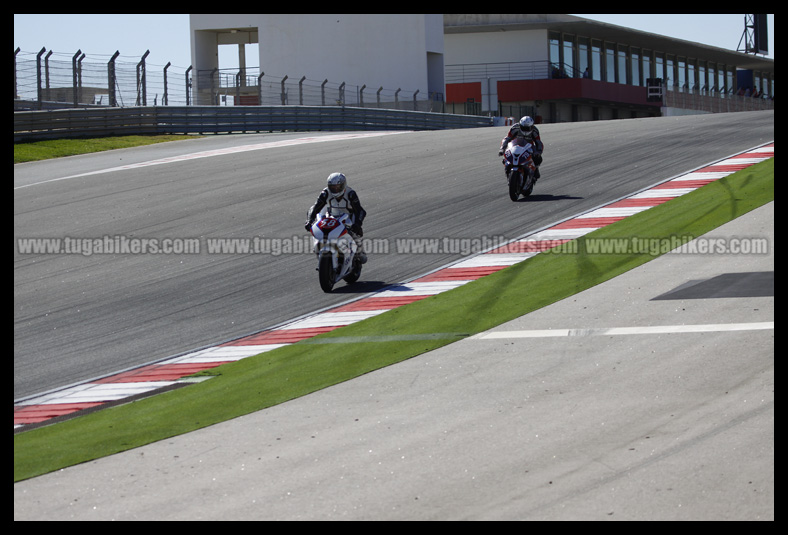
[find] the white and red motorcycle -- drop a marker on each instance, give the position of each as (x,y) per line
(336,251)
(520,168)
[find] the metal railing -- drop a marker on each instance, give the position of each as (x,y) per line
(108,121)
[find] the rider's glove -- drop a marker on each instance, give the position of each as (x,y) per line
(308,226)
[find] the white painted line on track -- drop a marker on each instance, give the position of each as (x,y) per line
(221,152)
(617,331)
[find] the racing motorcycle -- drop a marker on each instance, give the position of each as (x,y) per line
(520,168)
(336,251)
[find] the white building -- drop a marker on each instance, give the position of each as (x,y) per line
(396,51)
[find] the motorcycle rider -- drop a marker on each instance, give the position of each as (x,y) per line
(341,199)
(525,128)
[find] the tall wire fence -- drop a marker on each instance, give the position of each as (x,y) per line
(47,80)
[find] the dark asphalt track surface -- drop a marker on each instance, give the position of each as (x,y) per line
(81,317)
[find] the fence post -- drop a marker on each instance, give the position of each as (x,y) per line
(260,88)
(361,95)
(301,90)
(38,75)
(111,81)
(378,95)
(341,100)
(415,107)
(74,76)
(165,100)
(46,70)
(142,81)
(323,92)
(284,98)
(396,98)
(79,77)
(188,85)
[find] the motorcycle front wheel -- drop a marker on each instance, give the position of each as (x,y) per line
(326,273)
(515,185)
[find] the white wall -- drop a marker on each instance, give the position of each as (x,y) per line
(495,47)
(376,50)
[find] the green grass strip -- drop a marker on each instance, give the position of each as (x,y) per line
(58,148)
(292,371)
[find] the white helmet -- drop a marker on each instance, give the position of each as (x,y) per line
(336,184)
(526,124)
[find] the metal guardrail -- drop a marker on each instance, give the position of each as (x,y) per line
(98,122)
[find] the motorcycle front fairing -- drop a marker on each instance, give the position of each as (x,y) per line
(517,154)
(332,238)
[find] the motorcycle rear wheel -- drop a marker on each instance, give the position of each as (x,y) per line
(529,187)
(355,273)
(326,273)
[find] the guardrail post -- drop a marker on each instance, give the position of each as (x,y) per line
(38,76)
(301,90)
(284,98)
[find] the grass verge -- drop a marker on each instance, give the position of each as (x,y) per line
(292,371)
(57,148)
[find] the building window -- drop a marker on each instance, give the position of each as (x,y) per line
(670,75)
(691,81)
(582,56)
(622,65)
(569,64)
(596,60)
(646,65)
(682,75)
(610,64)
(635,66)
(555,49)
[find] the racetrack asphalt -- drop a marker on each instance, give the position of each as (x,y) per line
(513,424)
(79,317)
